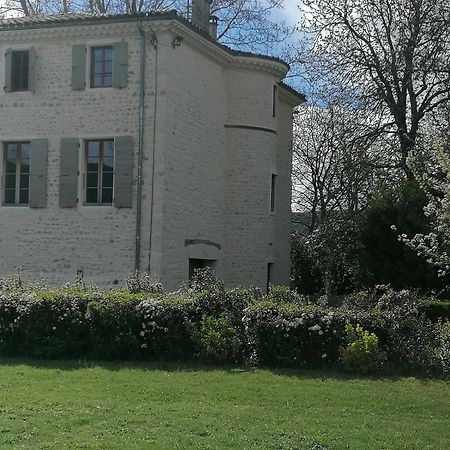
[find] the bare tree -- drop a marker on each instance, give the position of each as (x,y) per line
(333,168)
(393,55)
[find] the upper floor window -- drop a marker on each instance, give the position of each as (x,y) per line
(16,173)
(274,100)
(99,172)
(101,66)
(19,70)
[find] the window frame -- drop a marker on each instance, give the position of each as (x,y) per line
(100,173)
(92,73)
(19,87)
(18,174)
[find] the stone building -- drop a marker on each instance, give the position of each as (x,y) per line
(139,142)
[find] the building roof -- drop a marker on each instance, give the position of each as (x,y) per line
(74,19)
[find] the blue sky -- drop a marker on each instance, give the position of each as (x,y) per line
(290,13)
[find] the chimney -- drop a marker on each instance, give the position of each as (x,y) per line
(213,20)
(200,14)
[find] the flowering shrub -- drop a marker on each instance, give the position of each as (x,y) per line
(207,322)
(142,282)
(361,354)
(291,334)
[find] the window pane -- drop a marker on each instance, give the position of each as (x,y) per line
(98,54)
(92,180)
(10,167)
(108,165)
(10,197)
(107,195)
(107,179)
(91,195)
(10,181)
(108,67)
(23,196)
(11,153)
(93,149)
(25,166)
(98,68)
(24,181)
(108,149)
(97,82)
(25,151)
(107,81)
(108,53)
(19,70)
(92,167)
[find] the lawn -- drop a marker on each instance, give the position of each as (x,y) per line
(164,406)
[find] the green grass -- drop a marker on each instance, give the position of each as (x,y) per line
(162,406)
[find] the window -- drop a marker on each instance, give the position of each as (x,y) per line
(20,63)
(272,192)
(101,66)
(269,276)
(198,264)
(99,172)
(274,100)
(16,157)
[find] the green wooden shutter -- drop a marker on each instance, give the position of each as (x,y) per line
(68,173)
(120,64)
(38,173)
(31,69)
(78,67)
(8,70)
(123,171)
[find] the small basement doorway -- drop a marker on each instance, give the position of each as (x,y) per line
(196,264)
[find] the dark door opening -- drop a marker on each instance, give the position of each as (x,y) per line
(197,264)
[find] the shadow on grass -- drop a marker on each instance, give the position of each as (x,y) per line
(184,366)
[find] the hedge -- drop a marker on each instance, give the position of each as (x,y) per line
(437,309)
(212,324)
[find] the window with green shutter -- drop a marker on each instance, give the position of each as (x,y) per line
(99,172)
(19,70)
(16,173)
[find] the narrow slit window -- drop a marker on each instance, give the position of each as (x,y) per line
(274,100)
(273,185)
(269,276)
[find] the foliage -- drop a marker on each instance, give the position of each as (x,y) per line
(444,347)
(142,282)
(306,276)
(291,334)
(432,170)
(384,258)
(361,355)
(218,340)
(437,309)
(326,261)
(214,324)
(390,56)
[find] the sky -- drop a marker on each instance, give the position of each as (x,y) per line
(290,13)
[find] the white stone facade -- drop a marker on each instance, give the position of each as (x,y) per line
(210,148)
